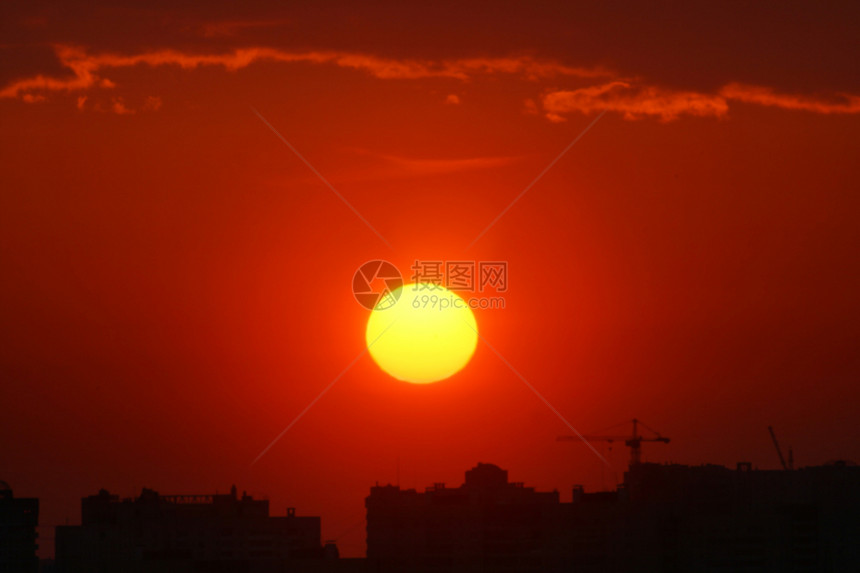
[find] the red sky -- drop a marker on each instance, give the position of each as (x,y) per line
(176,282)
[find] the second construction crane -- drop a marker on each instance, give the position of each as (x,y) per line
(634,441)
(785,465)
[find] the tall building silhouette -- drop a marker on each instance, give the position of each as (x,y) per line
(712,518)
(185,533)
(19,518)
(486,524)
(663,518)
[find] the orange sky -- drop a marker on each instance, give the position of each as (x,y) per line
(176,282)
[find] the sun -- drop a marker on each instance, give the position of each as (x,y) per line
(428,335)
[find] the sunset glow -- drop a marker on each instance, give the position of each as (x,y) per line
(654,211)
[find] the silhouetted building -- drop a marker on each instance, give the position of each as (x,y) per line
(186,533)
(486,524)
(19,518)
(712,518)
(663,518)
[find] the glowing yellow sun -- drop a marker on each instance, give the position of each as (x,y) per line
(428,335)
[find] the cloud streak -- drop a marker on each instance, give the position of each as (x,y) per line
(641,101)
(837,104)
(632,102)
(87,70)
(378,166)
(631,99)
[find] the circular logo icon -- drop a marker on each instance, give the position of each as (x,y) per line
(375,285)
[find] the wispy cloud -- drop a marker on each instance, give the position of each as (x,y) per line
(118,107)
(87,70)
(639,101)
(632,99)
(379,166)
(632,102)
(836,103)
(33,98)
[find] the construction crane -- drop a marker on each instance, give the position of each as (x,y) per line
(634,441)
(785,465)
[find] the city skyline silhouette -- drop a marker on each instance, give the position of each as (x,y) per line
(663,517)
(649,212)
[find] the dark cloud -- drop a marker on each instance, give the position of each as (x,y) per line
(695,45)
